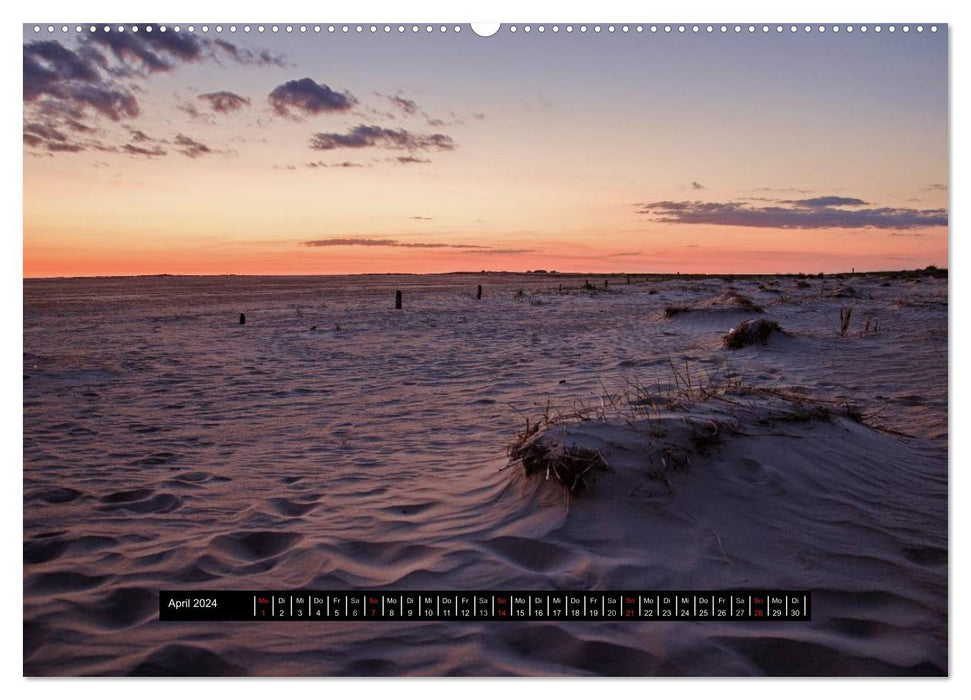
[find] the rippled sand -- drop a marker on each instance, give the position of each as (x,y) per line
(166,446)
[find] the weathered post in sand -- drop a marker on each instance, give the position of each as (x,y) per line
(628,279)
(605,284)
(242,319)
(397,299)
(478,294)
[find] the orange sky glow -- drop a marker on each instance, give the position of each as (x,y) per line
(318,154)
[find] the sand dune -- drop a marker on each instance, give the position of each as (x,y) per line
(166,446)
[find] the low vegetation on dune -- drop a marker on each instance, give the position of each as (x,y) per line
(752,332)
(570,465)
(659,432)
(729,301)
(845,292)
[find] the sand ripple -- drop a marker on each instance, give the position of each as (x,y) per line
(165,446)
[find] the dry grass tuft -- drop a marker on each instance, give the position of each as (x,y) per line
(801,409)
(845,313)
(572,466)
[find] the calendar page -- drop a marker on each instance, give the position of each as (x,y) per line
(548,349)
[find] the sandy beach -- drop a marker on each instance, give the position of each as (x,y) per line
(333,442)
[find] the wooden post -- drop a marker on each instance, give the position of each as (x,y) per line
(397,299)
(605,284)
(242,319)
(478,294)
(628,279)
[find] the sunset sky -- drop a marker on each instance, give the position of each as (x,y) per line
(319,153)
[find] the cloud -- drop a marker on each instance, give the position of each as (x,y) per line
(697,186)
(782,189)
(43,132)
(62,82)
(190,147)
(75,125)
(505,251)
(344,164)
(97,76)
(47,63)
(87,76)
(364,136)
(420,218)
(937,186)
(800,217)
(386,243)
(831,201)
(54,140)
(452,120)
(139,135)
(56,146)
(140,144)
(404,106)
(149,51)
(410,160)
(224,101)
(301,98)
(195,113)
(149,151)
(248,57)
(53,137)
(467,248)
(408,107)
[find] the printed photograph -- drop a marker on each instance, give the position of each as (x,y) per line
(590,317)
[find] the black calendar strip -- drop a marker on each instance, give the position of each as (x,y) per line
(485,606)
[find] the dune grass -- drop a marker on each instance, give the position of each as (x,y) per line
(845,313)
(754,332)
(676,418)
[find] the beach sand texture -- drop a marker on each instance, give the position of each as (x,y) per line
(168,446)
